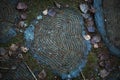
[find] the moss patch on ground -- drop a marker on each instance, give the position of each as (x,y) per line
(37,6)
(91,67)
(36,66)
(17,39)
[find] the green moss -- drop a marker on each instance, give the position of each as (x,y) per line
(37,6)
(16,39)
(91,65)
(34,65)
(89,69)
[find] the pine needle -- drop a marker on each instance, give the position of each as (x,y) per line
(82,75)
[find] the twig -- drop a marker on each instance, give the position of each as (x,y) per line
(31,71)
(82,75)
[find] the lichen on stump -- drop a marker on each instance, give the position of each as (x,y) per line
(58,42)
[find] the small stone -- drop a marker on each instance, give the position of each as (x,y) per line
(13,67)
(87,37)
(90,22)
(102,64)
(25,24)
(45,12)
(67,5)
(57,5)
(86,16)
(24,49)
(42,74)
(23,16)
(20,56)
(2,51)
(103,73)
(105,20)
(50,53)
(55,77)
(95,39)
(102,58)
(95,45)
(36,22)
(39,17)
(21,5)
(84,8)
(51,12)
(13,47)
(91,29)
(21,30)
(92,9)
(22,24)
(10,53)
